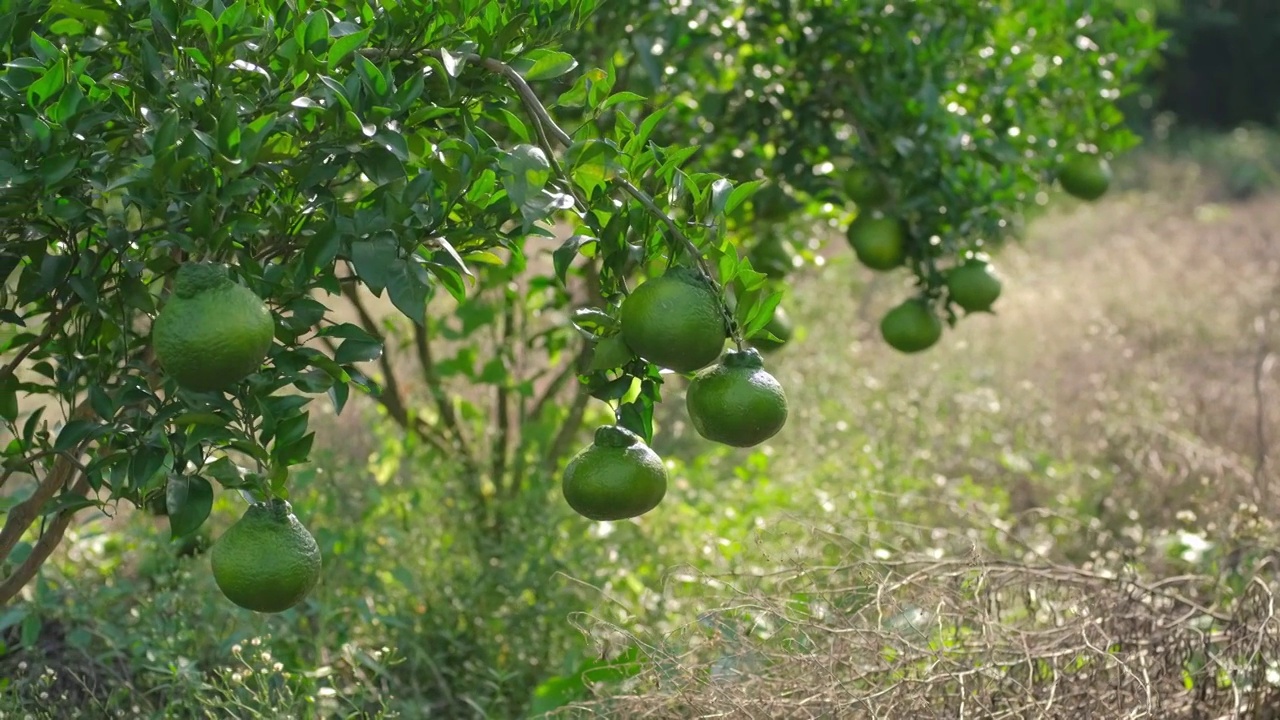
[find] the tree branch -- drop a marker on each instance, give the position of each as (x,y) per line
(415,425)
(557,383)
(444,404)
(43,548)
(546,126)
(20,516)
(391,398)
(393,401)
(569,430)
(51,325)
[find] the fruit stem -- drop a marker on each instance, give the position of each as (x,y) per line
(704,269)
(748,358)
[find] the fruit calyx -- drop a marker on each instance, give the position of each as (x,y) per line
(280,508)
(745,358)
(690,275)
(275,509)
(194,278)
(615,436)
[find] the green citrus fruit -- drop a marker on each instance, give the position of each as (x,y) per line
(1085,176)
(736,402)
(267,561)
(973,286)
(674,321)
(772,203)
(865,187)
(879,242)
(911,326)
(779,326)
(213,332)
(615,478)
(773,256)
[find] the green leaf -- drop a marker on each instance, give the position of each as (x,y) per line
(47,86)
(46,51)
(344,46)
(623,97)
(547,64)
(188,499)
(451,278)
(9,398)
(451,255)
(374,260)
(562,257)
(593,163)
(637,415)
(407,286)
(372,76)
(229,130)
(761,314)
(594,322)
(354,350)
(296,451)
(315,34)
(526,171)
(55,169)
(30,632)
(338,395)
(145,463)
(73,433)
(741,194)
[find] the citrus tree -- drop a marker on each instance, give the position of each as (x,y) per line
(183,179)
(184,184)
(924,130)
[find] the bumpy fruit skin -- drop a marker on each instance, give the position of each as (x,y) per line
(879,242)
(973,286)
(779,326)
(1085,176)
(267,561)
(865,187)
(674,321)
(911,327)
(615,478)
(213,332)
(736,402)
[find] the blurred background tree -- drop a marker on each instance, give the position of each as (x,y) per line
(1218,67)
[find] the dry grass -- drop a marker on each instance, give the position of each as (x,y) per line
(966,639)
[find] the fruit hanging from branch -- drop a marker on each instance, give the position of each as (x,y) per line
(615,478)
(267,561)
(213,332)
(736,402)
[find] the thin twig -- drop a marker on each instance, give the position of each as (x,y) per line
(568,431)
(546,127)
(51,325)
(500,449)
(444,404)
(415,424)
(391,397)
(1262,364)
